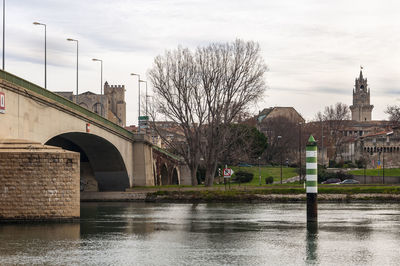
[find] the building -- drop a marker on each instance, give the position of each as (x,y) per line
(364,138)
(274,112)
(111,105)
(381,149)
(164,133)
(361,110)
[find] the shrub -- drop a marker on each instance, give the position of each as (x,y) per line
(269,180)
(243,177)
(352,165)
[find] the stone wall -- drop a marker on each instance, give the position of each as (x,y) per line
(38,182)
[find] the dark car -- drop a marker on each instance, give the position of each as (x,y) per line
(244,165)
(349,181)
(332,181)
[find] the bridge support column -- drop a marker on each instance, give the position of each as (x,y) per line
(186,178)
(142,161)
(38,182)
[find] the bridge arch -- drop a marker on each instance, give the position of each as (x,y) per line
(164,174)
(101,156)
(175,176)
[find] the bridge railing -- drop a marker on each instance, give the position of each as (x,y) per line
(55,97)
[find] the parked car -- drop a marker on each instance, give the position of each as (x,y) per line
(244,165)
(332,181)
(349,181)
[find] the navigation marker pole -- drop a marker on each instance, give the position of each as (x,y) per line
(311,180)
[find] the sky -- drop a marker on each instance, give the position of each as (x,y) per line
(313,48)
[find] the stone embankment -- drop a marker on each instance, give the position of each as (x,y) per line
(229,196)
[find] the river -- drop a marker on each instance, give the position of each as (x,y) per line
(209,234)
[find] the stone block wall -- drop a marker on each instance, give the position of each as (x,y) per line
(38,182)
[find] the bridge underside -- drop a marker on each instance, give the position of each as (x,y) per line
(99,159)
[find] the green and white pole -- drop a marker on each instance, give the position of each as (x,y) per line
(312,180)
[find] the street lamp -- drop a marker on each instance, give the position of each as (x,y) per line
(300,124)
(77,64)
(144,81)
(322,146)
(279,138)
(45,51)
(133,74)
(259,170)
(101,83)
(364,160)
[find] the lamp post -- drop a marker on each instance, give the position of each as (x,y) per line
(101,83)
(45,51)
(77,65)
(146,92)
(383,165)
(280,145)
(4,28)
(133,74)
(322,144)
(300,124)
(364,160)
(259,170)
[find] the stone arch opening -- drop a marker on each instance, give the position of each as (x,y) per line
(99,158)
(164,175)
(175,176)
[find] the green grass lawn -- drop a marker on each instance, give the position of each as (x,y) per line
(287,172)
(377,172)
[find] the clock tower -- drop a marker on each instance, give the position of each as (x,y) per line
(361,110)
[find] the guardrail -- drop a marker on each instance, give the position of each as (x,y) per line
(55,97)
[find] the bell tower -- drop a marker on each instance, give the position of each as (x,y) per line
(361,110)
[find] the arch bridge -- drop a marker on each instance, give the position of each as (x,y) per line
(112,158)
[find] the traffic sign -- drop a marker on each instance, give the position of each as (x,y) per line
(228,172)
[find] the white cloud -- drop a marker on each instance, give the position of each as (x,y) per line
(313,48)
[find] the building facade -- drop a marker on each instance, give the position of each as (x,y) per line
(111,105)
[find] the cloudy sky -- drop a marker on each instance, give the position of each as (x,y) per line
(313,48)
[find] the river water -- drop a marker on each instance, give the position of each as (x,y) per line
(209,234)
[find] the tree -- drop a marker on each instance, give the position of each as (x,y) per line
(394,113)
(333,120)
(246,144)
(289,142)
(204,92)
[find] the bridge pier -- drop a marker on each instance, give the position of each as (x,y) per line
(38,182)
(142,161)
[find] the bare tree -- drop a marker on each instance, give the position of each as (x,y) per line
(334,119)
(176,96)
(204,92)
(394,112)
(287,144)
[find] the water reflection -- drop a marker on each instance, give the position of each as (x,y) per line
(312,243)
(209,234)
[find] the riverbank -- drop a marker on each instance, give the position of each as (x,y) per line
(272,194)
